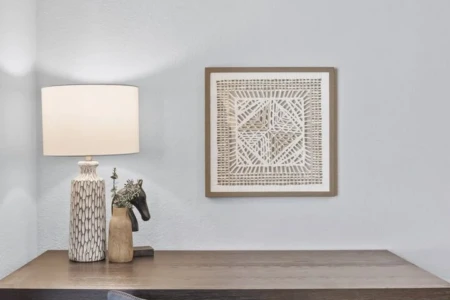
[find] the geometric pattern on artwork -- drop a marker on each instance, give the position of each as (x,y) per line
(269,132)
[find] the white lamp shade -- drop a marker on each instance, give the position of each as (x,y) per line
(83,120)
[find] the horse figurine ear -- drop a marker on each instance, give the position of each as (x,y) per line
(140,181)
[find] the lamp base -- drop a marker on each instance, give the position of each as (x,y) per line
(87,241)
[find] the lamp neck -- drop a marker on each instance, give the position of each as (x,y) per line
(88,170)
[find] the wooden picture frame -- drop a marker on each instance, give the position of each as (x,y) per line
(270,120)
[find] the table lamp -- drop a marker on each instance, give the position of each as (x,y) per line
(87,120)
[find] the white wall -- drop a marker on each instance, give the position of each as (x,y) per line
(392,58)
(17,134)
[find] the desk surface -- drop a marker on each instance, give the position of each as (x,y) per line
(227,270)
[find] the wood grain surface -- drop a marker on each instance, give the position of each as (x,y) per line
(230,275)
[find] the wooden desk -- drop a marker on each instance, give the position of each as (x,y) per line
(201,275)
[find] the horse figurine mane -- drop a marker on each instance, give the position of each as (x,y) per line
(132,195)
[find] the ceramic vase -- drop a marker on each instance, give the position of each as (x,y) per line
(120,242)
(87,234)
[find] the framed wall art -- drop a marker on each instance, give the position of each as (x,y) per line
(270,132)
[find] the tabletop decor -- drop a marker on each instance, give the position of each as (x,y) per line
(120,242)
(86,120)
(132,195)
(270,132)
(123,221)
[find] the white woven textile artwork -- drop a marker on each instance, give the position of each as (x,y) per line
(269,132)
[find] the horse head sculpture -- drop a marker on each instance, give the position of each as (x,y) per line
(138,200)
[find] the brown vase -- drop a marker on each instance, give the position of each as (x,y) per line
(120,243)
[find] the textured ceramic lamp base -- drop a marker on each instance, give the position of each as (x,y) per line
(87,240)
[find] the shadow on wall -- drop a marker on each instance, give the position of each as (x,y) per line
(18,234)
(164,53)
(163,48)
(17,110)
(125,42)
(18,231)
